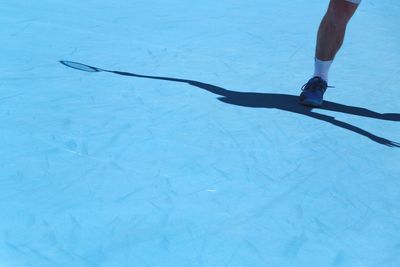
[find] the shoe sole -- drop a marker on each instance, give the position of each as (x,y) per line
(311,103)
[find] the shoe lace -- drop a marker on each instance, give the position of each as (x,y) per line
(314,85)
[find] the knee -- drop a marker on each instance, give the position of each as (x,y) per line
(340,12)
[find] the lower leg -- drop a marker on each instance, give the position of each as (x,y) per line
(332,28)
(331,34)
(330,38)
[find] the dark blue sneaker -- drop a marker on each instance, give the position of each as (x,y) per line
(313,92)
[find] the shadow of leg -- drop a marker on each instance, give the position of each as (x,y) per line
(355,129)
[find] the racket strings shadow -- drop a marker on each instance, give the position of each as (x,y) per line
(271,100)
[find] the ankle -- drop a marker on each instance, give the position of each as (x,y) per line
(321,68)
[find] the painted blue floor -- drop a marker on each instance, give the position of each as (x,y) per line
(210,161)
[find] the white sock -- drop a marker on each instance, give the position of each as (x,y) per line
(321,68)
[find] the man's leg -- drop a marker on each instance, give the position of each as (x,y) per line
(329,40)
(332,29)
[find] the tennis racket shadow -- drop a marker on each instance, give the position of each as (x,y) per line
(284,102)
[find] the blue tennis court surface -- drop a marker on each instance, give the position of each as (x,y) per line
(189,148)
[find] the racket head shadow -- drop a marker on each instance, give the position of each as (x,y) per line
(79,66)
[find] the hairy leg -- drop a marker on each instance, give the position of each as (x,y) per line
(332,29)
